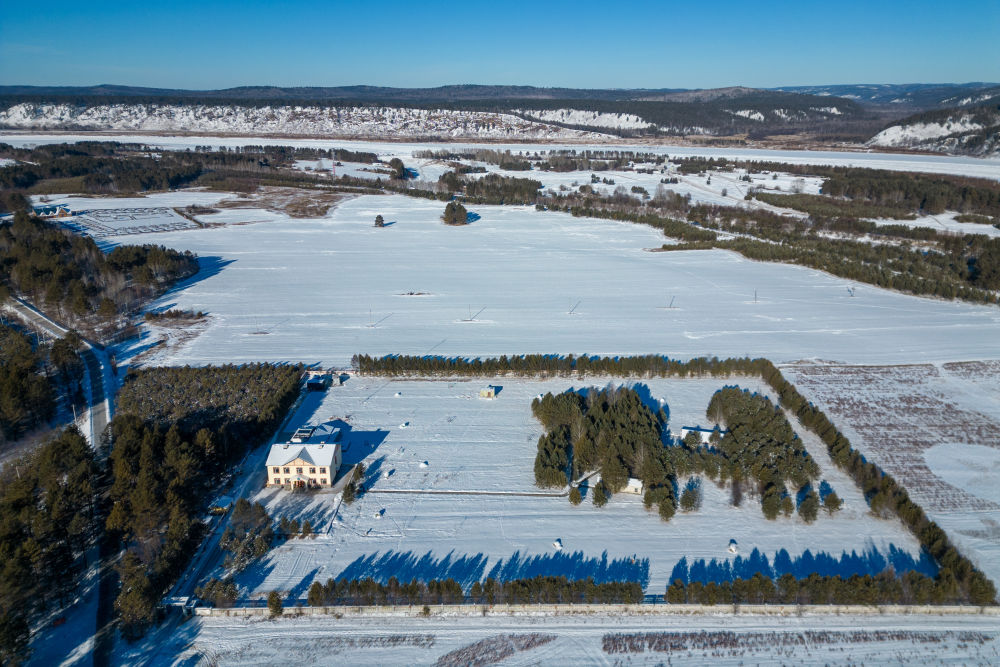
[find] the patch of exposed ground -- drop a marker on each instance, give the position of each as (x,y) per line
(293,202)
(492,650)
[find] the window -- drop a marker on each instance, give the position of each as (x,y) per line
(286,471)
(312,471)
(287,480)
(277,469)
(277,480)
(322,481)
(298,471)
(322,471)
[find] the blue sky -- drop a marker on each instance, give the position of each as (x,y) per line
(212,44)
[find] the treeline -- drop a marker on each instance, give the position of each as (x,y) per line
(286,154)
(71,276)
(176,433)
(884,495)
(531,365)
(112,168)
(47,504)
(97,167)
(172,315)
(493,188)
(967,267)
(930,195)
(884,588)
(27,396)
(116,168)
(537,590)
(820,205)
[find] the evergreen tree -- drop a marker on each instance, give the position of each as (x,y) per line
(832,503)
(600,495)
(274,604)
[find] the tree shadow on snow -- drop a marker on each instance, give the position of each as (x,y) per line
(468,569)
(871,562)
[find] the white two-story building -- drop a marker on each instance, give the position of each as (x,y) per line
(309,460)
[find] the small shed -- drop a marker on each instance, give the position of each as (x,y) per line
(634,486)
(489,391)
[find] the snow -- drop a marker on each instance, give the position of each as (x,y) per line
(974,468)
(316,284)
(289,120)
(618,121)
(455,443)
(934,427)
(102,223)
(805,639)
(944,222)
(749,114)
(915,133)
(937,164)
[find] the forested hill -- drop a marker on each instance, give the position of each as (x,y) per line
(843,114)
(973,130)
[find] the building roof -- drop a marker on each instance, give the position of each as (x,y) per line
(316,435)
(316,445)
(317,455)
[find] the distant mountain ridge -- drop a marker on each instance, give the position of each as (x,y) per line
(917,95)
(909,95)
(839,114)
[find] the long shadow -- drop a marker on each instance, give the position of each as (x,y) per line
(208,266)
(406,566)
(469,569)
(650,401)
(298,591)
(573,566)
(870,562)
(357,445)
(255,574)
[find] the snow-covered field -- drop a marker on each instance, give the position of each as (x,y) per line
(935,428)
(316,285)
(439,436)
(579,640)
